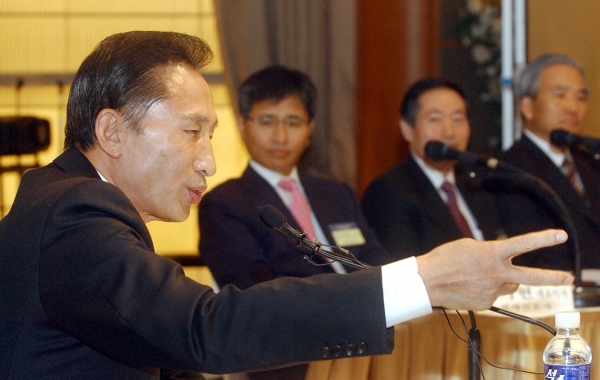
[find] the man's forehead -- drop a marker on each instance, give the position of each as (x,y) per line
(435,105)
(562,74)
(290,104)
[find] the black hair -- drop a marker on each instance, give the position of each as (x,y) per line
(126,72)
(277,82)
(410,104)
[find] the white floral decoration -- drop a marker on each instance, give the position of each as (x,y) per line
(481,31)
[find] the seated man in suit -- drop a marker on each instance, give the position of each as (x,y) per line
(421,203)
(552,94)
(277,109)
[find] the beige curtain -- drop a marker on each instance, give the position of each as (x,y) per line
(314,36)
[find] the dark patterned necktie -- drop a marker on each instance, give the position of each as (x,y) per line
(569,169)
(455,211)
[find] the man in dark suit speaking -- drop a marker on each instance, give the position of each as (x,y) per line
(83,295)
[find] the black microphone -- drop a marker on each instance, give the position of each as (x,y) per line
(438,151)
(560,137)
(272,218)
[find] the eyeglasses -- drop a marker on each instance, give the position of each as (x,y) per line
(270,121)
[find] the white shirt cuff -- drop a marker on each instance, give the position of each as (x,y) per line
(404,293)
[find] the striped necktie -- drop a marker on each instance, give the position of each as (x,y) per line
(568,168)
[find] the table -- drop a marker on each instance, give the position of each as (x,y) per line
(426,348)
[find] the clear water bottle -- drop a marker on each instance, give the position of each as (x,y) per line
(567,356)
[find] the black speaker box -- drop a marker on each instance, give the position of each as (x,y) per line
(23,135)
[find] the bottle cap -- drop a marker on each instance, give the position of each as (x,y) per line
(567,319)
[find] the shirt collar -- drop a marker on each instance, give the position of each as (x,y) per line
(101,176)
(271,176)
(435,176)
(554,154)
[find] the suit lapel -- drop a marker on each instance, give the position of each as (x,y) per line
(590,176)
(544,168)
(316,191)
(478,199)
(262,193)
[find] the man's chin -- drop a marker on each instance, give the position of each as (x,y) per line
(443,166)
(178,217)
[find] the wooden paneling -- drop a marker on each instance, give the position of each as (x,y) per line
(572,28)
(396,44)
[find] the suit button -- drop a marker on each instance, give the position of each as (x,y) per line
(350,348)
(325,352)
(361,348)
(336,351)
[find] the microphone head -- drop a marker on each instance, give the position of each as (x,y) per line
(271,216)
(560,137)
(438,151)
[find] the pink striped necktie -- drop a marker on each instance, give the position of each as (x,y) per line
(452,204)
(299,207)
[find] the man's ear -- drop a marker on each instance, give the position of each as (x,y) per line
(526,107)
(407,130)
(311,127)
(107,131)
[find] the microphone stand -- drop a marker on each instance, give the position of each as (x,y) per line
(474,338)
(474,349)
(496,171)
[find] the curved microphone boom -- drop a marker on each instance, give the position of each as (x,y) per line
(560,137)
(491,171)
(272,218)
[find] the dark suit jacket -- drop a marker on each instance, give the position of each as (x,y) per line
(83,295)
(409,217)
(526,212)
(253,252)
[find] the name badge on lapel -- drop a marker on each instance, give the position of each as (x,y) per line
(346,234)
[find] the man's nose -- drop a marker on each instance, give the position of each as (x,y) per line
(571,103)
(448,128)
(205,161)
(280,133)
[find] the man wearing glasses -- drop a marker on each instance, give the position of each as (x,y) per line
(277,110)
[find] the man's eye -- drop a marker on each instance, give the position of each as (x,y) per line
(293,123)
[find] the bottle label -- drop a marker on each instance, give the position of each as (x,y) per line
(567,372)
